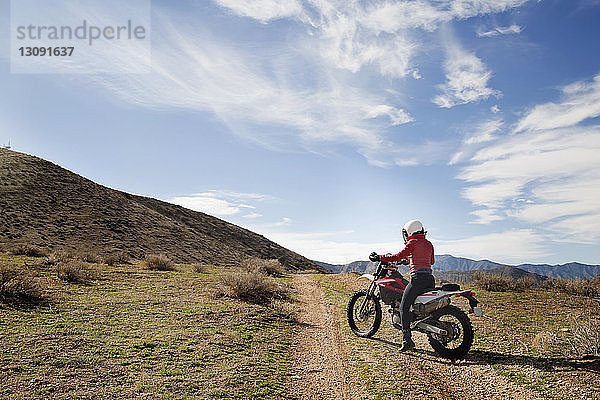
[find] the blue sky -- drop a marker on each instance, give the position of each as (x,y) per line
(325,125)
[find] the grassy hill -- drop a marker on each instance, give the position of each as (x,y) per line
(48,206)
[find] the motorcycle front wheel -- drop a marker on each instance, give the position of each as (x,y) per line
(364,314)
(459,338)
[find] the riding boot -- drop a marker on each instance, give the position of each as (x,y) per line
(407,342)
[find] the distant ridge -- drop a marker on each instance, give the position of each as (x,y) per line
(46,205)
(446,263)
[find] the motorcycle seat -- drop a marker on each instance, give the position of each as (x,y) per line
(449,287)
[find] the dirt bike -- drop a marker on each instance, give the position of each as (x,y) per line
(448,328)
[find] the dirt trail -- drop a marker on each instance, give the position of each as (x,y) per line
(321,357)
(325,370)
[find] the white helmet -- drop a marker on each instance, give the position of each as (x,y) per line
(412,227)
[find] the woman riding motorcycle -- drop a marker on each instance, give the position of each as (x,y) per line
(419,252)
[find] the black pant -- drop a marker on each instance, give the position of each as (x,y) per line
(419,284)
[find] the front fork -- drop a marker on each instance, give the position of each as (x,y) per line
(370,294)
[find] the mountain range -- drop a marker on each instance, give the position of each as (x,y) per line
(447,263)
(48,206)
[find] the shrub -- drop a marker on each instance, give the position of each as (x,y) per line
(116,258)
(253,288)
(87,256)
(285,310)
(492,282)
(544,340)
(24,249)
(18,288)
(76,272)
(199,268)
(267,267)
(158,262)
(586,337)
(579,287)
(58,256)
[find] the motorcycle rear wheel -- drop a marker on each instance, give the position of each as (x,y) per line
(458,342)
(366,322)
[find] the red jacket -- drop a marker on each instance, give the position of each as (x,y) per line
(418,250)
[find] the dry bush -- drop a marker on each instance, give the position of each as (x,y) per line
(88,257)
(118,258)
(267,267)
(57,257)
(18,288)
(285,310)
(199,268)
(579,287)
(25,249)
(544,340)
(76,272)
(253,288)
(492,282)
(525,283)
(158,262)
(585,338)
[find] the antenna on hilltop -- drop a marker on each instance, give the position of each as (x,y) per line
(7,146)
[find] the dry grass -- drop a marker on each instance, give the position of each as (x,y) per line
(253,288)
(267,267)
(19,288)
(158,262)
(579,287)
(29,250)
(544,341)
(285,310)
(492,282)
(498,283)
(118,258)
(76,272)
(200,268)
(87,256)
(58,256)
(586,338)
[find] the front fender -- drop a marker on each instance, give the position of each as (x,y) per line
(369,277)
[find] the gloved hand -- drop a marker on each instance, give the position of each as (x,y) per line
(404,261)
(374,257)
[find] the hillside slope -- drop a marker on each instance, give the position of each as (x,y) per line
(46,205)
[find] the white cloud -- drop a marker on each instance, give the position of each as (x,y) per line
(253,215)
(501,30)
(485,216)
(580,101)
(467,79)
(512,246)
(263,10)
(547,173)
(475,138)
(327,246)
(220,202)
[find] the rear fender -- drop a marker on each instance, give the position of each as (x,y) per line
(368,277)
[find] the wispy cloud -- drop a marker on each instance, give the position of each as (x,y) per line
(475,138)
(467,78)
(220,202)
(580,101)
(546,173)
(511,246)
(263,10)
(500,30)
(258,96)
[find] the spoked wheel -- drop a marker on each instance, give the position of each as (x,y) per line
(459,338)
(364,314)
